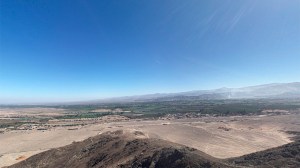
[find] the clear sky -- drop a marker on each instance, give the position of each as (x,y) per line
(54,50)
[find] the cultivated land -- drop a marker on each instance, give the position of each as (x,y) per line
(28,130)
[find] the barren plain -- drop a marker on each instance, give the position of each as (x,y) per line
(220,137)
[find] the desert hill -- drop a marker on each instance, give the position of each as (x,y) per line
(133,149)
(284,156)
(121,149)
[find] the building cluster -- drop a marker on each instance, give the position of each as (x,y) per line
(185,115)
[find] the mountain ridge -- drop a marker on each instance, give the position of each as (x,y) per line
(272,90)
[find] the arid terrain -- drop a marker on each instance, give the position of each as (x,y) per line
(149,84)
(122,149)
(134,149)
(220,137)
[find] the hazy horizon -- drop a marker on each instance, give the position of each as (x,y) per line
(59,100)
(54,51)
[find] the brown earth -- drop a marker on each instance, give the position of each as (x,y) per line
(121,149)
(283,156)
(243,135)
(22,157)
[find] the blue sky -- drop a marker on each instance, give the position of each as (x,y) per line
(53,50)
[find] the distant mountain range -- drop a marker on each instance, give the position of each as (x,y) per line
(274,90)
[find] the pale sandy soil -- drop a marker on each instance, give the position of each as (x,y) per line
(36,111)
(10,158)
(220,137)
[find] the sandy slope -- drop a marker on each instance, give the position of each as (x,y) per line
(124,149)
